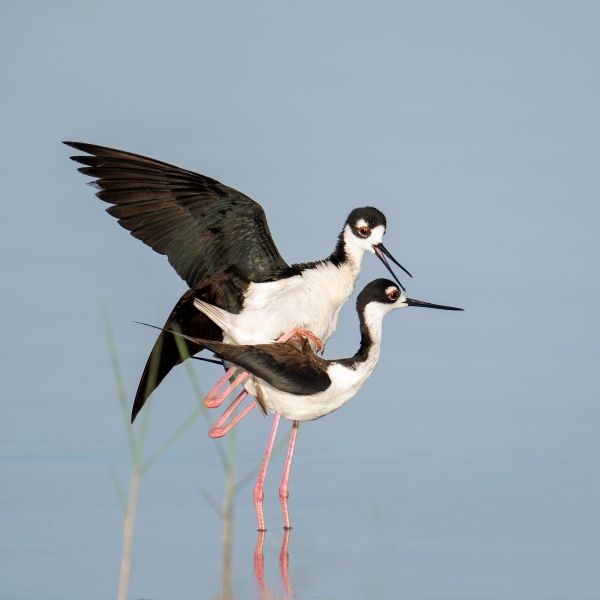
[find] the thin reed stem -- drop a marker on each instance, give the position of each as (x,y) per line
(128,533)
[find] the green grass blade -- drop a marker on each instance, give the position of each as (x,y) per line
(172,438)
(120,492)
(120,385)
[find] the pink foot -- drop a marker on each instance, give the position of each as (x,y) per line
(306,333)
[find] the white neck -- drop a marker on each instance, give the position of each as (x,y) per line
(371,329)
(354,251)
(348,376)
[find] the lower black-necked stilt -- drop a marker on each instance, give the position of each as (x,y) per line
(308,301)
(289,380)
(219,242)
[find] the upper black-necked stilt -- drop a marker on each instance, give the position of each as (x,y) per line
(218,240)
(288,379)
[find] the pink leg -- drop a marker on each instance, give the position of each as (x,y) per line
(283,489)
(284,564)
(260,482)
(215,397)
(219,429)
(213,400)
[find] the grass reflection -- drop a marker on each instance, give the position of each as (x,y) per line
(137,444)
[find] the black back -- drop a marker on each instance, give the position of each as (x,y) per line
(291,366)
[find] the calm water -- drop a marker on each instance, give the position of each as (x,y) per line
(402,514)
(468,467)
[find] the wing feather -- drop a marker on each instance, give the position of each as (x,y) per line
(226,289)
(289,367)
(200,224)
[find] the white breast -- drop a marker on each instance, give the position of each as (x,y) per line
(311,301)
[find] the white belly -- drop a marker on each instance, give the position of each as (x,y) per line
(344,384)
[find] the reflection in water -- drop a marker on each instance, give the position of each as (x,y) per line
(284,563)
(259,566)
(141,465)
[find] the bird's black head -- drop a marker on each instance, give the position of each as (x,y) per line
(383,295)
(363,232)
(363,220)
(382,291)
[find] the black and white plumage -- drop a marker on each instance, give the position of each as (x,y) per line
(290,379)
(219,242)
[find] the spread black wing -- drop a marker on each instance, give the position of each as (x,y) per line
(197,222)
(224,289)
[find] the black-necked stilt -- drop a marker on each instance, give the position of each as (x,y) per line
(290,380)
(218,241)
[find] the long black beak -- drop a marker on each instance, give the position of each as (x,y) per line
(411,302)
(382,252)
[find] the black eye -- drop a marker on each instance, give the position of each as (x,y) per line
(364,231)
(394,295)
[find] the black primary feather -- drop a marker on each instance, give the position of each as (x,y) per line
(197,222)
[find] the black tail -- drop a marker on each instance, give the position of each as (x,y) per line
(224,289)
(164,356)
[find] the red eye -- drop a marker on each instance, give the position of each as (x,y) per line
(394,295)
(364,231)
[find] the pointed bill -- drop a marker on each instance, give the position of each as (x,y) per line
(411,302)
(381,251)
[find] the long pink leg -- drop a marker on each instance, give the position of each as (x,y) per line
(219,429)
(283,489)
(213,398)
(260,482)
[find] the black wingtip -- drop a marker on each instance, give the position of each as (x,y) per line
(141,397)
(83,147)
(137,407)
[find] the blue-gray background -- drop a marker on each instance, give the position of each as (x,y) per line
(468,465)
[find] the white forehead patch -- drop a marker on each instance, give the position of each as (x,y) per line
(361,223)
(391,289)
(377,233)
